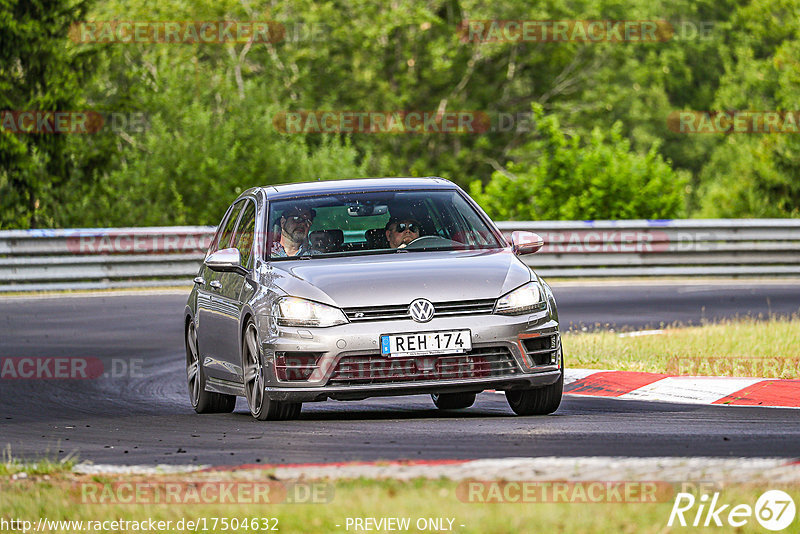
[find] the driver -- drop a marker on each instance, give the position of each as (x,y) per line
(402,231)
(295,224)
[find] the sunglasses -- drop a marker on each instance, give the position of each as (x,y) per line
(301,218)
(401,227)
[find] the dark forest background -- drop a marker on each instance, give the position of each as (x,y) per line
(595,142)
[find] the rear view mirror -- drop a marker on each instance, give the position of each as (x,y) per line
(226,260)
(526,242)
(365,210)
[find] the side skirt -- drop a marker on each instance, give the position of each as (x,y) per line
(217,385)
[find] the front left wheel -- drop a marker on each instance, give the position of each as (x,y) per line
(202,401)
(261,406)
(539,401)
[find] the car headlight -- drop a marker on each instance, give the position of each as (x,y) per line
(524,299)
(294,311)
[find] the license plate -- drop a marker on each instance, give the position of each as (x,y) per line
(426,343)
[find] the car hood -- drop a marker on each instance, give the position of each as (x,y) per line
(397,279)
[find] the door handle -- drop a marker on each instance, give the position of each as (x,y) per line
(216,284)
(199,280)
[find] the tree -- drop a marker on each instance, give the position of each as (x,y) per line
(40,70)
(211,107)
(755,174)
(556,177)
(209,136)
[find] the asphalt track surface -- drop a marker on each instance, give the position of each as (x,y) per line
(144,417)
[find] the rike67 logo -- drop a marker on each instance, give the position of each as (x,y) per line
(774,510)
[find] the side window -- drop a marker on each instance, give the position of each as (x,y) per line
(227,231)
(212,247)
(243,239)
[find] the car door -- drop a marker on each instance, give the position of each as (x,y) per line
(234,287)
(211,309)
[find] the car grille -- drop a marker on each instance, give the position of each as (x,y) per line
(484,362)
(296,366)
(541,350)
(384,313)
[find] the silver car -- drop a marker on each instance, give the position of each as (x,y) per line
(360,288)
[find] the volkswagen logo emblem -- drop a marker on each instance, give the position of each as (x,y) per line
(421,310)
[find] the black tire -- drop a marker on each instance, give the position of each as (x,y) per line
(261,407)
(453,401)
(539,401)
(202,401)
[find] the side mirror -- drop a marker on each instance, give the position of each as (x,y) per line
(526,242)
(227,260)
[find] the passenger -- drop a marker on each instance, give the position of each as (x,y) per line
(402,231)
(295,224)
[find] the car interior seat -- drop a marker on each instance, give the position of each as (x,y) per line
(376,238)
(327,240)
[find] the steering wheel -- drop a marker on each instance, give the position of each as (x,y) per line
(428,240)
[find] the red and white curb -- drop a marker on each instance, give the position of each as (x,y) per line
(730,391)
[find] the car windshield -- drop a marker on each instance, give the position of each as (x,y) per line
(375,223)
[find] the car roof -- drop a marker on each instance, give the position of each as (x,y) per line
(355,186)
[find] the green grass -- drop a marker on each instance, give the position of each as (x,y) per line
(743,347)
(79,292)
(10,466)
(59,497)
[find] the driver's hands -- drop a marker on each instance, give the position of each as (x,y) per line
(402,245)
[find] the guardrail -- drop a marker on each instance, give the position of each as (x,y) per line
(35,260)
(688,247)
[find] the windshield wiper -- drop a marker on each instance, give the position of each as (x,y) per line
(369,252)
(429,249)
(449,248)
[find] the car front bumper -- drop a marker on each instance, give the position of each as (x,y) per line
(362,339)
(311,394)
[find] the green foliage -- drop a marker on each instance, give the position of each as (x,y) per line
(756,175)
(39,70)
(753,177)
(601,148)
(557,177)
(193,160)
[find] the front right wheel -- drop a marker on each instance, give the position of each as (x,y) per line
(261,406)
(539,401)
